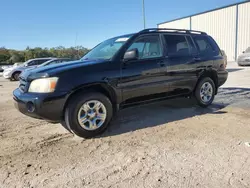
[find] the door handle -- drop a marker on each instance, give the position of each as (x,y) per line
(197,59)
(162,64)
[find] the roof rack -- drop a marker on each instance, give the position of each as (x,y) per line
(171,30)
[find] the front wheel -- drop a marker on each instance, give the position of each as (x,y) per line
(16,76)
(88,115)
(205,92)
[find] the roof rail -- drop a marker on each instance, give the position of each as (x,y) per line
(172,30)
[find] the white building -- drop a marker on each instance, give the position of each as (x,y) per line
(229,26)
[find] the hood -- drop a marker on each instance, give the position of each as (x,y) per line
(51,70)
(9,69)
(6,66)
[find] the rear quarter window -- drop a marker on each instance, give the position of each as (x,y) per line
(206,45)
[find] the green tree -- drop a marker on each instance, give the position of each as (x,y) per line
(16,56)
(12,56)
(4,54)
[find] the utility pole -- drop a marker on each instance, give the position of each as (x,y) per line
(144,17)
(76,45)
(76,39)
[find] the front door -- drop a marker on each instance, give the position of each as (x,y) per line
(142,77)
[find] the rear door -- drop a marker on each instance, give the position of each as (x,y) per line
(209,52)
(181,63)
(142,77)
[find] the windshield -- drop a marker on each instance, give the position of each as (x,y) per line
(25,63)
(107,49)
(248,50)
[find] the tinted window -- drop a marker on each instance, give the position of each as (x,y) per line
(148,47)
(203,45)
(31,63)
(42,61)
(177,45)
(37,62)
(191,45)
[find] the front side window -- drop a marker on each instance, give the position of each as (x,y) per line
(148,47)
(37,62)
(107,49)
(177,45)
(30,63)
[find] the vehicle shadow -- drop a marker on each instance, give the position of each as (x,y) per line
(141,117)
(233,69)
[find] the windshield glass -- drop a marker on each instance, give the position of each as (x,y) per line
(248,50)
(25,63)
(107,49)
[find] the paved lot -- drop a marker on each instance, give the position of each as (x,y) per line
(168,144)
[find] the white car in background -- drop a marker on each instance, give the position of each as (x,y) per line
(2,68)
(244,58)
(13,72)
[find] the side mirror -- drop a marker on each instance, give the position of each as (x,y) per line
(132,54)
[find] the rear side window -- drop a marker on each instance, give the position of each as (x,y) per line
(192,48)
(177,45)
(205,46)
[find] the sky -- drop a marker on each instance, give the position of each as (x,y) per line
(51,23)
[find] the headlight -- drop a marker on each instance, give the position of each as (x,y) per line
(6,71)
(43,85)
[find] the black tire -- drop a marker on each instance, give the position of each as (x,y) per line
(16,76)
(71,114)
(198,89)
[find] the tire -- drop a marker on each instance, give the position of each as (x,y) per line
(72,114)
(205,101)
(16,76)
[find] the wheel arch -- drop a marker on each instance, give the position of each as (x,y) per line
(103,88)
(13,73)
(211,74)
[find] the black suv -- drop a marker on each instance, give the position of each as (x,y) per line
(131,69)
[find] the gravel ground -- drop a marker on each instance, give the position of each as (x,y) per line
(166,144)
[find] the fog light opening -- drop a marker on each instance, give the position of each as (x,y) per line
(30,107)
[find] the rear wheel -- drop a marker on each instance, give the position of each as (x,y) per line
(88,115)
(16,76)
(205,92)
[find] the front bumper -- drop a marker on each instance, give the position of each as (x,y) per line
(41,106)
(6,75)
(243,62)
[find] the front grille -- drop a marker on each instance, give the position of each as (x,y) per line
(23,86)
